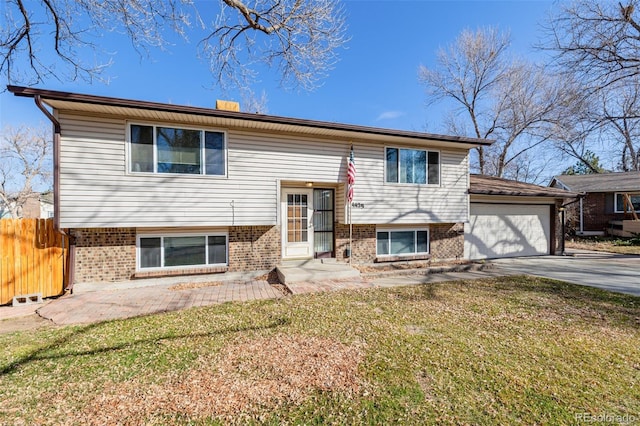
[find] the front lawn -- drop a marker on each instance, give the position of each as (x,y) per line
(495,351)
(608,244)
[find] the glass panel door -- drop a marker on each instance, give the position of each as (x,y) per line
(297,212)
(323,219)
(297,218)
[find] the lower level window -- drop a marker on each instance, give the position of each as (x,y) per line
(182,250)
(402,241)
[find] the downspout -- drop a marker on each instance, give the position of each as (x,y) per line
(56,191)
(581,217)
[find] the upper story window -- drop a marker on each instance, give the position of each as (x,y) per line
(157,149)
(635,200)
(412,166)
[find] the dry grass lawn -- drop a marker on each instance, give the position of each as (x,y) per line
(512,350)
(602,244)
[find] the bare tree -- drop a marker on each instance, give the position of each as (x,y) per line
(254,103)
(493,97)
(597,45)
(620,122)
(597,40)
(298,37)
(25,166)
(467,73)
(605,121)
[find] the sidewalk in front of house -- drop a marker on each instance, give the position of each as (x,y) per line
(92,303)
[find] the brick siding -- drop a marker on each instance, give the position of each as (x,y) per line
(109,254)
(254,248)
(594,212)
(598,211)
(104,254)
(446,241)
(363,240)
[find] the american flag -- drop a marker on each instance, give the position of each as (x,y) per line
(351,176)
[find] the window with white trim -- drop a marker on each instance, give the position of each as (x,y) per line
(394,242)
(635,200)
(404,165)
(159,149)
(181,250)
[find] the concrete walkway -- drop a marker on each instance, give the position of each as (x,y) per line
(92,302)
(101,302)
(107,305)
(95,302)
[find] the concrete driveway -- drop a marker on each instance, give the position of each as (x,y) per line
(608,271)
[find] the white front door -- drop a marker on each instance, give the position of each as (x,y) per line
(297,226)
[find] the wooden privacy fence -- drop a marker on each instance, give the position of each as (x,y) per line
(33,259)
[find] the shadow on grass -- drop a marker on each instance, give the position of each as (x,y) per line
(424,291)
(41,352)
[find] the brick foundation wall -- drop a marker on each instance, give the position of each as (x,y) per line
(446,241)
(104,254)
(109,254)
(363,240)
(254,248)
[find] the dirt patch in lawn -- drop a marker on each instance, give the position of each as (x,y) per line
(247,376)
(29,322)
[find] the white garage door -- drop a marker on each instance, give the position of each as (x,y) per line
(507,230)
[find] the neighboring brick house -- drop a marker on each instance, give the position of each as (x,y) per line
(603,199)
(40,206)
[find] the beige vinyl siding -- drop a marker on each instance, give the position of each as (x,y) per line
(393,203)
(98,191)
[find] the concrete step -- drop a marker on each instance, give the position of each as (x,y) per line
(314,270)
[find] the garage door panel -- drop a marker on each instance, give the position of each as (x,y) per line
(506,230)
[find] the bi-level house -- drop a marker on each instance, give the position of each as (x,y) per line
(149,189)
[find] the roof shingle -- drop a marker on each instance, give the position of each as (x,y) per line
(601,182)
(491,185)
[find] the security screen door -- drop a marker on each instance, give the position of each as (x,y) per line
(323,219)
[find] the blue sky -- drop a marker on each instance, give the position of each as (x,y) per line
(374,84)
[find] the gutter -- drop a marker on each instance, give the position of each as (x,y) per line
(56,191)
(577,198)
(240,117)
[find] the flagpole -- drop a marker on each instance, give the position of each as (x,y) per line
(350,235)
(351,179)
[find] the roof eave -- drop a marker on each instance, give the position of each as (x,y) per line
(524,194)
(462,142)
